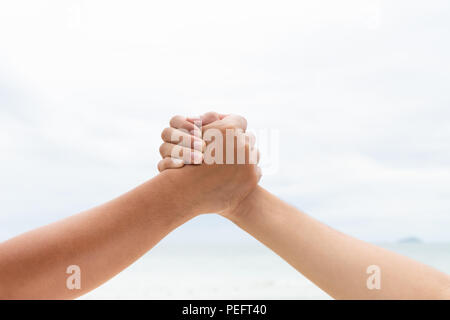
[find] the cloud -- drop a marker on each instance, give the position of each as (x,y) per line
(356,90)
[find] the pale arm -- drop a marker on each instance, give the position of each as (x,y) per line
(335,262)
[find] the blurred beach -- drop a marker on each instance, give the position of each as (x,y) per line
(234,271)
(354,90)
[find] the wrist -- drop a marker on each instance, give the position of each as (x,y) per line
(173,184)
(245,208)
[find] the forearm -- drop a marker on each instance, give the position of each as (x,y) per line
(335,262)
(101,241)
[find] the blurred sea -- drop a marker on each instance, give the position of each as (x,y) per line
(236,271)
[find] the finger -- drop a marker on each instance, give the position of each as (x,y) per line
(251,139)
(182,138)
(236,121)
(231,121)
(254,154)
(207,118)
(258,173)
(246,151)
(188,155)
(180,122)
(170,163)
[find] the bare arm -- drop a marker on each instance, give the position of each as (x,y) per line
(101,241)
(105,240)
(335,262)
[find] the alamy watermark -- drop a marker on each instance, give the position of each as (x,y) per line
(229,146)
(374,280)
(73,282)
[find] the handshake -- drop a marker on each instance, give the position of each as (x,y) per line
(210,164)
(224,157)
(224,178)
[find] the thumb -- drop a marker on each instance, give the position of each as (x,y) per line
(207,118)
(210,117)
(231,121)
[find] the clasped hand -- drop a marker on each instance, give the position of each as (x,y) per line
(224,157)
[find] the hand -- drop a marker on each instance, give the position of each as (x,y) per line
(222,181)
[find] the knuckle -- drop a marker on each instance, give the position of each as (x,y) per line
(162,148)
(161,166)
(173,121)
(165,134)
(224,127)
(211,114)
(244,122)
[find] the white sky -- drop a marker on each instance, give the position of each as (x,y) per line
(358,91)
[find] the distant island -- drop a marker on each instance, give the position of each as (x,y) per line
(410,240)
